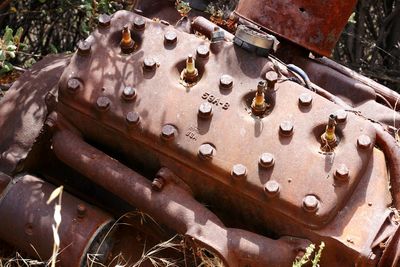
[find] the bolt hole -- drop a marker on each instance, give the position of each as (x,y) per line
(302,9)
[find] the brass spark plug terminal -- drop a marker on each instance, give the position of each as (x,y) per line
(329,136)
(127,44)
(259,106)
(190,73)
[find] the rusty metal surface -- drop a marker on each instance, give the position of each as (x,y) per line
(26,221)
(308,23)
(192,135)
(178,106)
(175,207)
(23,110)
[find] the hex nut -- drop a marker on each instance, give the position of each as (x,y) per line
(139,23)
(239,171)
(132,117)
(84,48)
(341,116)
(266,160)
(104,20)
(271,77)
(364,141)
(73,85)
(170,37)
(226,82)
(149,64)
(129,93)
(342,173)
(81,210)
(168,132)
(305,99)
(271,188)
(103,103)
(286,128)
(205,110)
(206,151)
(310,203)
(157,184)
(203,51)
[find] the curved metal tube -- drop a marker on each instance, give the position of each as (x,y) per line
(175,207)
(392,152)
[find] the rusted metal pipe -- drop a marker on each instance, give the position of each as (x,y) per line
(175,207)
(206,27)
(23,209)
(392,152)
(389,95)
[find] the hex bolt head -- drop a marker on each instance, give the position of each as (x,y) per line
(73,85)
(103,103)
(341,116)
(157,184)
(342,173)
(205,110)
(104,20)
(139,23)
(129,93)
(170,37)
(271,188)
(149,64)
(81,210)
(266,160)
(286,128)
(203,51)
(226,82)
(364,141)
(305,99)
(206,151)
(271,77)
(239,171)
(132,117)
(168,132)
(84,48)
(310,203)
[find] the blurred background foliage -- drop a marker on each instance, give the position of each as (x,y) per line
(370,43)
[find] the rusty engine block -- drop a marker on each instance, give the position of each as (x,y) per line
(249,149)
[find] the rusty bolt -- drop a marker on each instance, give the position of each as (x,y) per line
(266,160)
(305,99)
(170,37)
(271,77)
(73,85)
(139,23)
(129,93)
(203,51)
(168,132)
(310,203)
(104,20)
(271,188)
(29,229)
(157,184)
(149,64)
(341,115)
(206,151)
(239,171)
(342,173)
(81,210)
(226,81)
(205,110)
(84,48)
(133,117)
(364,141)
(103,103)
(286,128)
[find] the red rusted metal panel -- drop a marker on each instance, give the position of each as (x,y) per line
(313,24)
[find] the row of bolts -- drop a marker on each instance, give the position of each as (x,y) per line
(258,106)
